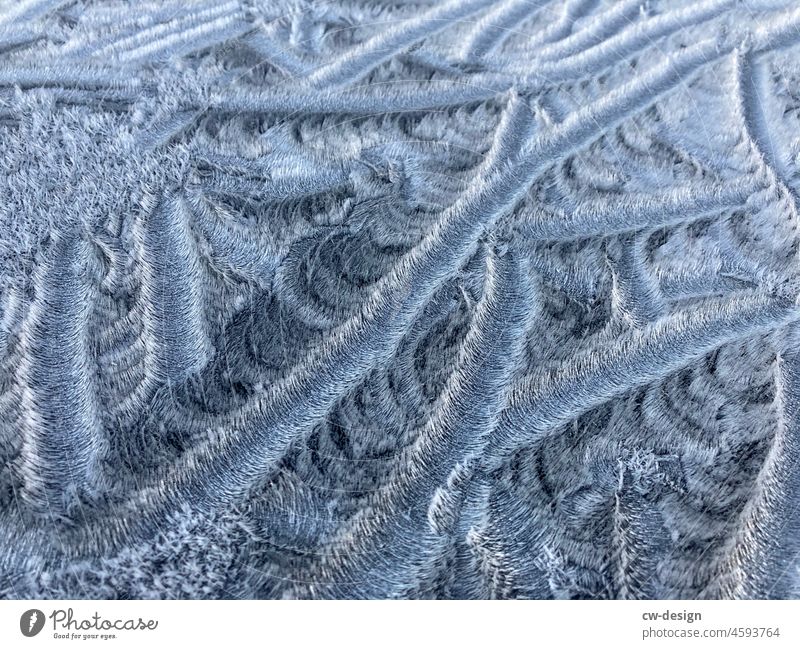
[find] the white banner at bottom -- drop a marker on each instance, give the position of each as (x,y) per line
(379,624)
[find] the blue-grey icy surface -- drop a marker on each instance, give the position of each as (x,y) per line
(399,298)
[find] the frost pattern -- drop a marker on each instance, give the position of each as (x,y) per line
(399,299)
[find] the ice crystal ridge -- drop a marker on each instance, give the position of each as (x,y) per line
(399,298)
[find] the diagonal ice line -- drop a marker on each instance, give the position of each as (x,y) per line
(542,403)
(17,11)
(494,26)
(377,553)
(361,59)
(626,212)
(627,42)
(64,443)
(764,552)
